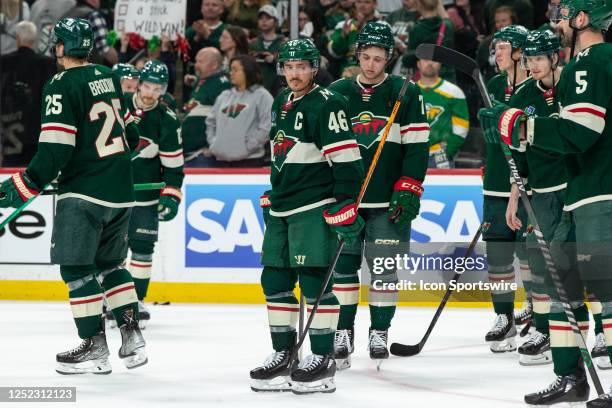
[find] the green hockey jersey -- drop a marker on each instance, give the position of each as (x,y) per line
(197,109)
(583,131)
(314,154)
(343,47)
(447,114)
(544,169)
(405,152)
(159,155)
(84,122)
(402,21)
(496,182)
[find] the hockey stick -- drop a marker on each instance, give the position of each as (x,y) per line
(364,186)
(137,187)
(469,66)
(406,350)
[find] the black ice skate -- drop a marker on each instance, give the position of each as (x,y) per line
(501,336)
(91,356)
(273,375)
(565,388)
(314,374)
(132,350)
(603,401)
(536,350)
(599,353)
(377,345)
(344,347)
(523,315)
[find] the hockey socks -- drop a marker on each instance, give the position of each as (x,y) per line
(541,310)
(382,302)
(141,264)
(346,289)
(325,321)
(565,352)
(120,293)
(86,298)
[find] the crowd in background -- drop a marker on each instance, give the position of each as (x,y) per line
(223,74)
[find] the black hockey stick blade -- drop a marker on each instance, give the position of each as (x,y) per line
(405,350)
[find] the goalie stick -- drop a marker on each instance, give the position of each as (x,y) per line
(469,66)
(341,243)
(406,350)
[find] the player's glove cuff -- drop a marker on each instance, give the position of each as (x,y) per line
(345,215)
(26,188)
(406,183)
(173,192)
(264,200)
(509,126)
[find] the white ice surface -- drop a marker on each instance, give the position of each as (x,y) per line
(200,356)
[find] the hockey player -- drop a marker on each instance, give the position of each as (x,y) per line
(501,242)
(159,157)
(128,75)
(392,199)
(83,135)
(316,174)
(546,174)
(583,133)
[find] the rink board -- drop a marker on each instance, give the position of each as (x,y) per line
(210,252)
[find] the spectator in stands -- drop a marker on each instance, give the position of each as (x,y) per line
(233,42)
(207,31)
(244,13)
(433,27)
(23,75)
(447,114)
(44,14)
(11,14)
(523,9)
(239,122)
(305,24)
(207,85)
(335,12)
(265,47)
(341,45)
(102,52)
(485,55)
(468,26)
(402,21)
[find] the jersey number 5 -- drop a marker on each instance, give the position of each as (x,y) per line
(111,115)
(582,83)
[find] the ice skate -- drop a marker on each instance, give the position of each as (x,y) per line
(314,374)
(344,347)
(566,388)
(536,350)
(377,345)
(502,334)
(273,375)
(523,315)
(132,350)
(91,356)
(599,353)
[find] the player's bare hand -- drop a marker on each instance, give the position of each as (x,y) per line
(513,222)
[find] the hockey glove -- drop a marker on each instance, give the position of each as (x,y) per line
(168,205)
(17,190)
(489,121)
(265,204)
(344,220)
(405,201)
(510,125)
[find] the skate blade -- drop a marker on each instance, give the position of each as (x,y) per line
(538,359)
(603,363)
(100,366)
(379,363)
(112,324)
(142,324)
(343,363)
(325,385)
(504,346)
(281,383)
(137,359)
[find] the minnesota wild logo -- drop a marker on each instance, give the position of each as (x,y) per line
(281,146)
(234,110)
(433,112)
(367,127)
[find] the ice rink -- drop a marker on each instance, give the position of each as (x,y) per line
(200,356)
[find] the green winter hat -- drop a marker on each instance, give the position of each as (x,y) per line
(123,70)
(376,33)
(541,42)
(299,50)
(156,72)
(514,34)
(599,11)
(76,35)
